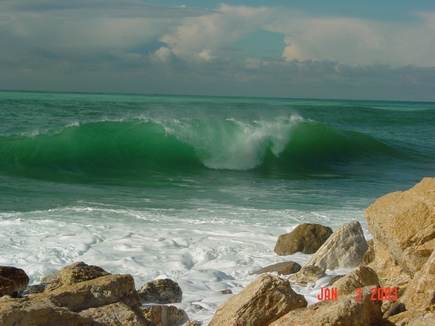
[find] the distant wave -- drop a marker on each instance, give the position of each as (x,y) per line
(140,147)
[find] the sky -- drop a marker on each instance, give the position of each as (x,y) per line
(375,50)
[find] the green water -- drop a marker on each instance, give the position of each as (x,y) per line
(168,151)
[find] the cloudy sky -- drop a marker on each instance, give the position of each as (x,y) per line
(277,48)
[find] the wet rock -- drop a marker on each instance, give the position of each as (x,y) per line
(161,291)
(308,274)
(12,280)
(284,268)
(305,238)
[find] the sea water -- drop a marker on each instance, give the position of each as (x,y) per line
(196,189)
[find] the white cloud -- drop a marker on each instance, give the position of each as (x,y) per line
(163,54)
(354,40)
(216,29)
(206,55)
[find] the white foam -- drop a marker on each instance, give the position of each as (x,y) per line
(204,255)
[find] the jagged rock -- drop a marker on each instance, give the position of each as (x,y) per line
(284,268)
(344,311)
(12,280)
(32,289)
(389,272)
(226,291)
(413,318)
(420,293)
(161,291)
(72,274)
(261,302)
(116,314)
(334,279)
(191,323)
(360,277)
(165,315)
(308,274)
(78,295)
(345,248)
(95,293)
(305,238)
(26,312)
(403,223)
(369,256)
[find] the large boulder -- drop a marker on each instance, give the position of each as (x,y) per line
(413,318)
(260,303)
(403,224)
(389,272)
(284,268)
(345,248)
(12,280)
(305,238)
(344,311)
(39,311)
(78,295)
(72,274)
(420,293)
(161,291)
(95,293)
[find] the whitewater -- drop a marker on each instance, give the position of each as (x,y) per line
(196,189)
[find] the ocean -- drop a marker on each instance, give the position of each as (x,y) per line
(196,189)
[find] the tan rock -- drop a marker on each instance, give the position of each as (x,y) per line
(369,256)
(72,274)
(360,277)
(165,315)
(116,314)
(191,323)
(12,280)
(161,291)
(420,293)
(345,248)
(78,295)
(344,311)
(308,274)
(95,293)
(403,223)
(389,272)
(261,302)
(305,238)
(413,318)
(284,268)
(26,312)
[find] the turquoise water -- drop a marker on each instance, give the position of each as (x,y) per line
(57,149)
(196,189)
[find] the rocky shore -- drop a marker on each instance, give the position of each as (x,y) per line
(392,281)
